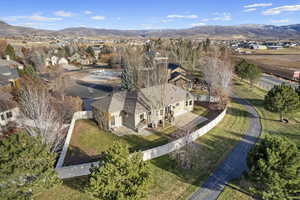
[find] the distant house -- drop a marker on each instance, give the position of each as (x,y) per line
(8,110)
(177,76)
(140,109)
(63,61)
(9,73)
(77,58)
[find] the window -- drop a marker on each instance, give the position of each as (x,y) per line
(186,103)
(2,117)
(142,117)
(161,112)
(191,102)
(177,104)
(113,121)
(9,115)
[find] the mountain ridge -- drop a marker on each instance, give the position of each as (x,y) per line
(246,31)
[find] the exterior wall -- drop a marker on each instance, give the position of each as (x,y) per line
(129,120)
(14,112)
(118,120)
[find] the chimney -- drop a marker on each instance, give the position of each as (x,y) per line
(7,57)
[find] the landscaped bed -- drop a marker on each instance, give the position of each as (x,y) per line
(89,142)
(270,125)
(170,181)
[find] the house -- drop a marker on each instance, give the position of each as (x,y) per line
(8,110)
(9,73)
(175,68)
(143,108)
(178,76)
(180,80)
(63,61)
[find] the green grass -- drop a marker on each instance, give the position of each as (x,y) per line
(170,181)
(88,141)
(199,92)
(200,110)
(270,125)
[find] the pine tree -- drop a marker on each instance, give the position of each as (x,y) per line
(274,164)
(241,69)
(90,51)
(126,80)
(248,71)
(282,99)
(121,176)
(10,51)
(26,167)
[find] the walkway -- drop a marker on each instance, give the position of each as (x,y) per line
(235,163)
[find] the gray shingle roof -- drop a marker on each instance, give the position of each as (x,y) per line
(141,101)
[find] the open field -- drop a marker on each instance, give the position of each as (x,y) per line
(270,125)
(170,181)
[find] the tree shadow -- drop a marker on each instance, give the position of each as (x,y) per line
(102,87)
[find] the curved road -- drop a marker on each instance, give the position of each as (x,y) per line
(235,163)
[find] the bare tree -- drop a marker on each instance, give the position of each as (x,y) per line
(39,116)
(217,69)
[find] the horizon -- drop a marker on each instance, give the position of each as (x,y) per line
(153,15)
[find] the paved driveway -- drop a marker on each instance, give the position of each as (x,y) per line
(235,163)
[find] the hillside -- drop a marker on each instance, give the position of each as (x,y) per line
(240,31)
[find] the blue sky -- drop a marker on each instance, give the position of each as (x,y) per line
(150,14)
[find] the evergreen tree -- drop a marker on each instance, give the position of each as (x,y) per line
(241,69)
(91,51)
(254,73)
(10,51)
(282,99)
(274,164)
(126,80)
(121,176)
(26,167)
(248,71)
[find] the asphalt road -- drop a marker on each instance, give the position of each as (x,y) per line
(273,80)
(235,163)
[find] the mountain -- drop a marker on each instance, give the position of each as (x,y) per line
(245,31)
(9,30)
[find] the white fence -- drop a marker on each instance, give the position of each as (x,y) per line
(181,142)
(76,116)
(84,169)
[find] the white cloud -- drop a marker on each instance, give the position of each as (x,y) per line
(278,10)
(280,21)
(198,24)
(166,20)
(88,12)
(34,17)
(183,16)
(98,18)
(258,5)
(223,17)
(118,18)
(250,10)
(62,13)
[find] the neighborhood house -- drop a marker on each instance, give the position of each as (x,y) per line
(144,108)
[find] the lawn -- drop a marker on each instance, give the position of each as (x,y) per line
(270,125)
(88,141)
(200,110)
(170,181)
